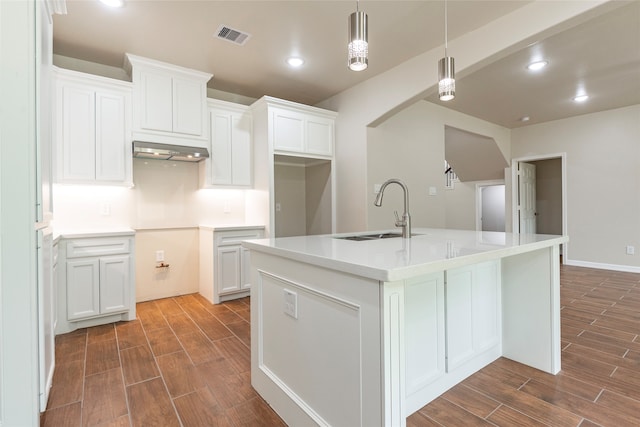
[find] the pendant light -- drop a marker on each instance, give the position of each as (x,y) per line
(446,69)
(358,58)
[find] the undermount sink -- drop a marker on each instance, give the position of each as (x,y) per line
(376,236)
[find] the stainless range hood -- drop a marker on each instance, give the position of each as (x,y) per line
(154,150)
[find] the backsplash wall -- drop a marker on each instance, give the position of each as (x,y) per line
(165,195)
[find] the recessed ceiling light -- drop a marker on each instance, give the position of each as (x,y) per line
(524,119)
(581,98)
(295,62)
(538,65)
(113,3)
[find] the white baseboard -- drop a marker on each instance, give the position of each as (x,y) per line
(603,266)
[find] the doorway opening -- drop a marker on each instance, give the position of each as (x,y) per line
(539,195)
(490,206)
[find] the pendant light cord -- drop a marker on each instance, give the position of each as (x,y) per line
(446,19)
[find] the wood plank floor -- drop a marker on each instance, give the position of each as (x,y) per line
(185,362)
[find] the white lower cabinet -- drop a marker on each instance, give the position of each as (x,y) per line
(452,328)
(472,297)
(224,263)
(97,282)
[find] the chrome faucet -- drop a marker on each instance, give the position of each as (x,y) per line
(405,222)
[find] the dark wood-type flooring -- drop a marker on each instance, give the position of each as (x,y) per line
(185,362)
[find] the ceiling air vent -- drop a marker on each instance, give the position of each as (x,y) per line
(231,35)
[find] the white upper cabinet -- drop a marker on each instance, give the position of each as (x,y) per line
(297,129)
(93,132)
(230,163)
(169,102)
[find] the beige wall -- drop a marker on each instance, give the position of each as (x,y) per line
(603,181)
(374,100)
(410,146)
(289,184)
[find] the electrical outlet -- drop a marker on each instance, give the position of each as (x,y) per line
(631,250)
(105,209)
(291,303)
(227,206)
(376,188)
(278,207)
(159,256)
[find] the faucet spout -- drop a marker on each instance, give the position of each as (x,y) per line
(405,222)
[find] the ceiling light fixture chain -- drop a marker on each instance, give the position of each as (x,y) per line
(358,48)
(446,66)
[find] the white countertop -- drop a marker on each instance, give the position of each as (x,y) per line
(229,227)
(396,258)
(86,233)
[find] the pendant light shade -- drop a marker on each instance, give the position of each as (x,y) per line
(446,78)
(446,68)
(358,59)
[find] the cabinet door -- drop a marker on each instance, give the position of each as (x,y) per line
(288,130)
(111,137)
(424,326)
(220,147)
(319,135)
(83,284)
(114,284)
(228,269)
(156,101)
(472,310)
(188,106)
(245,271)
(76,110)
(241,149)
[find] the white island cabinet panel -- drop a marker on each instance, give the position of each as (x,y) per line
(366,332)
(473,324)
(424,326)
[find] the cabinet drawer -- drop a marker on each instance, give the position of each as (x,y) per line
(77,248)
(235,237)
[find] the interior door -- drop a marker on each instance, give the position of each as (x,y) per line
(527,197)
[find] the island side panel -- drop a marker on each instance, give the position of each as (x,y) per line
(531,308)
(316,343)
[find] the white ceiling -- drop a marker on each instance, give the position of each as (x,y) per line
(603,55)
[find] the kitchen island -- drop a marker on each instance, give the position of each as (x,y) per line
(363,331)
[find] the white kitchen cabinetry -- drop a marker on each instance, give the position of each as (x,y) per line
(298,129)
(169,102)
(93,133)
(224,264)
(293,145)
(96,281)
(302,132)
(230,163)
(473,313)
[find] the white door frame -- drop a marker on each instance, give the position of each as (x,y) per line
(514,192)
(479,187)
